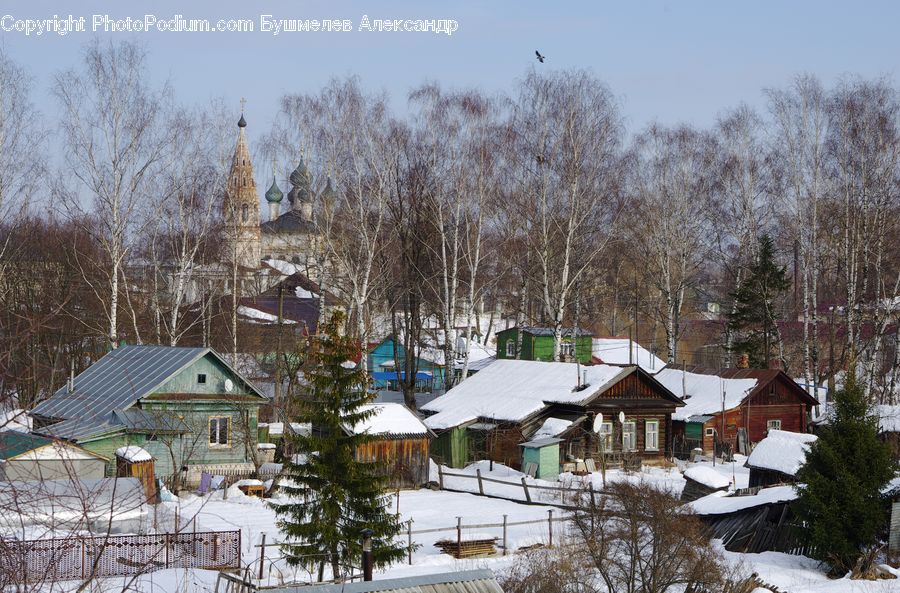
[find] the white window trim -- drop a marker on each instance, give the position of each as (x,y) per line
(510,349)
(774,424)
(633,432)
(217,444)
(648,432)
(606,436)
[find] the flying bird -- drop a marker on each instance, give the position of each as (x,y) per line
(540,58)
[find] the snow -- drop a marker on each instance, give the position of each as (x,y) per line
(302,293)
(615,351)
(16,420)
(888,418)
(718,503)
(286,268)
(277,428)
(551,427)
(133,453)
(781,451)
(265,445)
(389,419)
(57,450)
(512,390)
(261,316)
(702,394)
(707,476)
(348,364)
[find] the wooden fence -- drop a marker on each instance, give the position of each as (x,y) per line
(566,496)
(48,560)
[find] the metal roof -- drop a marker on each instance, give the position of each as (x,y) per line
(470,581)
(548,331)
(701,418)
(14,443)
(115,382)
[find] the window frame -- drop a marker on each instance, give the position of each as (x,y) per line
(633,433)
(769,425)
(567,349)
(201,378)
(510,349)
(217,444)
(647,433)
(605,437)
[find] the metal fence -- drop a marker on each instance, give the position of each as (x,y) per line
(50,560)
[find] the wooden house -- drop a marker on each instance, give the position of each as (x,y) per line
(134,462)
(537,344)
(735,408)
(600,410)
(185,404)
(400,445)
(777,458)
(29,457)
(382,365)
(624,351)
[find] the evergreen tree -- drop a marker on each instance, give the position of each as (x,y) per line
(753,319)
(335,496)
(840,485)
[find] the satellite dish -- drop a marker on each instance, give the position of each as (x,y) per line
(228,385)
(598,423)
(622,417)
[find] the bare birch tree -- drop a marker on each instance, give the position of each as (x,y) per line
(115,144)
(567,135)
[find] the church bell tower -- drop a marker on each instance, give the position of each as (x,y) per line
(241,205)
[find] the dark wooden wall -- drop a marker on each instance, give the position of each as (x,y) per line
(405,461)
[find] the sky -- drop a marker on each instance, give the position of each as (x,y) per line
(669,61)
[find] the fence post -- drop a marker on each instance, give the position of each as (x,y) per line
(480,484)
(550,526)
(525,486)
(262,555)
(82,558)
(593,504)
(177,520)
(440,477)
(504,535)
(166,545)
(409,540)
(459,537)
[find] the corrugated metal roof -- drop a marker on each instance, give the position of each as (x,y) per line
(117,381)
(470,581)
(13,443)
(82,428)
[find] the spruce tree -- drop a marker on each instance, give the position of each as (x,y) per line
(753,319)
(333,495)
(840,484)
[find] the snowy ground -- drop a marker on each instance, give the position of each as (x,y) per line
(431,510)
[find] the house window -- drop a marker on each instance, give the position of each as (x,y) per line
(651,435)
(629,436)
(566,349)
(220,431)
(606,436)
(710,432)
(510,349)
(245,213)
(773,425)
(201,378)
(150,437)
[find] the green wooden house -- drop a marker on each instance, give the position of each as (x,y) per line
(537,344)
(186,406)
(540,458)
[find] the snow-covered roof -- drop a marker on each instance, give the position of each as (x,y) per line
(615,351)
(277,428)
(702,394)
(707,476)
(718,503)
(551,427)
(513,390)
(133,453)
(390,420)
(17,420)
(888,416)
(257,316)
(781,451)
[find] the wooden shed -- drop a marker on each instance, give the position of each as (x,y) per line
(540,458)
(777,458)
(401,444)
(134,462)
(702,481)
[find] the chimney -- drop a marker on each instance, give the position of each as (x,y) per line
(367,554)
(71,382)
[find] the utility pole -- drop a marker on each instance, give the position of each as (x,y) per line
(279,355)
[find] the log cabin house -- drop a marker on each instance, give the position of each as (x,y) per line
(735,408)
(513,401)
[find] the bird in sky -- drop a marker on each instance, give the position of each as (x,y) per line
(540,58)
